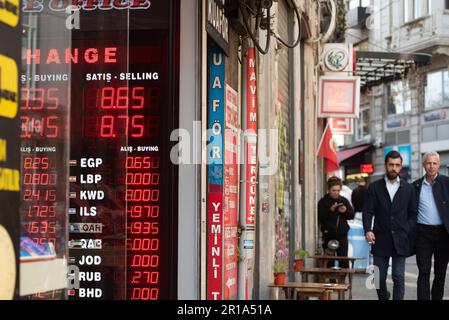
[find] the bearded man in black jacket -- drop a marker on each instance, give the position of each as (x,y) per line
(392,202)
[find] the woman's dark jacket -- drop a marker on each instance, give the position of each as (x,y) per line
(328,219)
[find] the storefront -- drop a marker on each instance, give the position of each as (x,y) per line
(227,155)
(356,163)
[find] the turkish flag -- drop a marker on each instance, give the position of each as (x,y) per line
(327,150)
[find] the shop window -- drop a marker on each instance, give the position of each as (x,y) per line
(437,89)
(397,138)
(362,124)
(429,134)
(390,138)
(443,131)
(403,137)
(399,98)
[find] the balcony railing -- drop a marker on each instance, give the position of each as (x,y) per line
(421,34)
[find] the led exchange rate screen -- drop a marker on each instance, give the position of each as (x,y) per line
(119,183)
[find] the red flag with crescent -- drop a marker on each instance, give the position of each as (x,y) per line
(327,150)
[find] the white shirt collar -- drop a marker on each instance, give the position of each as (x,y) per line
(426,182)
(398,180)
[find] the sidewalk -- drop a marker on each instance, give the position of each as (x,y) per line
(360,291)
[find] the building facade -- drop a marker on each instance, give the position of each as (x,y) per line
(409,113)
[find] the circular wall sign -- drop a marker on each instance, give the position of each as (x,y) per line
(7,266)
(336,59)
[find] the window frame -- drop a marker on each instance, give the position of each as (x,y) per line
(405,11)
(359,134)
(416,9)
(396,134)
(404,100)
(444,102)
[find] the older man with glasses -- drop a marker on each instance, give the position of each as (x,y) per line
(432,232)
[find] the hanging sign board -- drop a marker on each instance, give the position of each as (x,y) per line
(339,97)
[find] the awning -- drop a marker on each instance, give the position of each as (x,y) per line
(349,153)
(357,176)
(375,68)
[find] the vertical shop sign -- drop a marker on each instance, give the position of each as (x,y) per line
(251,131)
(231,194)
(217,25)
(10,34)
(249,187)
(215,174)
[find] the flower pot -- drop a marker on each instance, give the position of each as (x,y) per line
(279,279)
(299,264)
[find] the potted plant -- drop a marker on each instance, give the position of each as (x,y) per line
(280,272)
(300,255)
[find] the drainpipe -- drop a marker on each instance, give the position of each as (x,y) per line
(302,155)
(292,144)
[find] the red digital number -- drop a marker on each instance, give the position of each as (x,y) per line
(41,227)
(107,127)
(142,244)
(143,211)
(145,277)
(51,129)
(107,98)
(138,96)
(145,294)
(143,228)
(122,98)
(142,195)
(32,195)
(42,211)
(142,162)
(36,163)
(111,126)
(39,98)
(139,178)
(39,179)
(46,127)
(119,98)
(145,261)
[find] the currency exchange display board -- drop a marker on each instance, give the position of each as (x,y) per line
(98,104)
